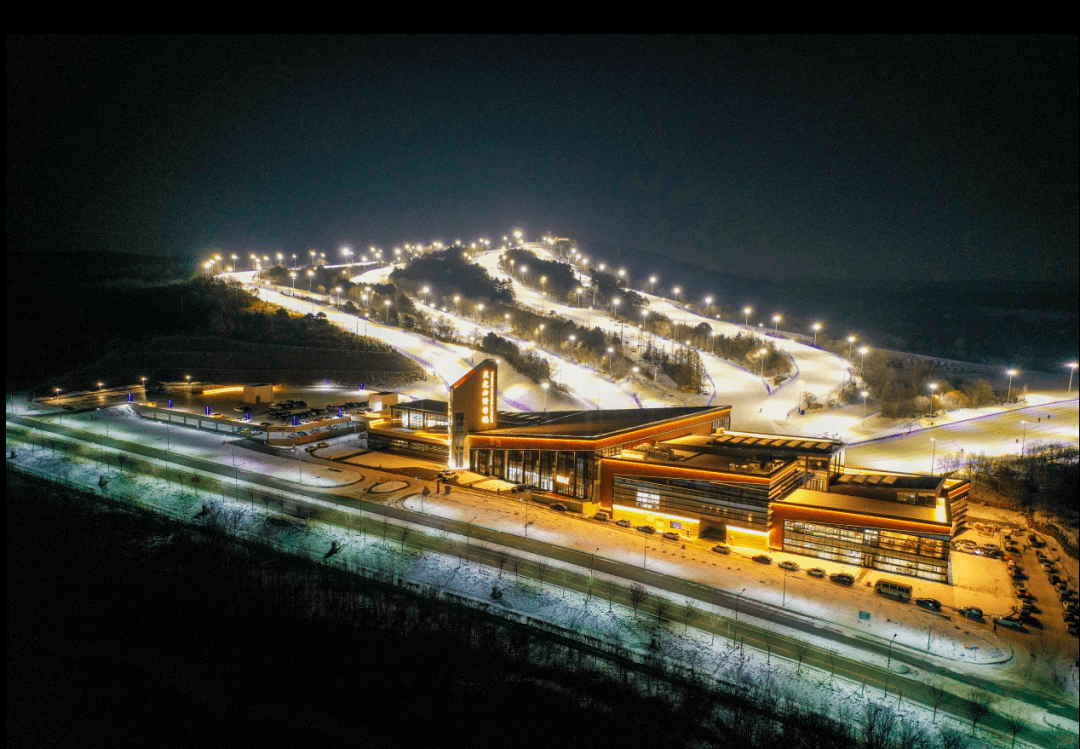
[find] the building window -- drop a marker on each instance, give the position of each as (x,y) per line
(648,500)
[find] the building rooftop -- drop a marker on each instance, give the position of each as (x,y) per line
(909,481)
(591,424)
(425,405)
(747,444)
(864,506)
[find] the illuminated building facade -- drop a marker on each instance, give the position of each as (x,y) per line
(685,470)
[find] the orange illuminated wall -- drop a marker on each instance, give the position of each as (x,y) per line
(779,512)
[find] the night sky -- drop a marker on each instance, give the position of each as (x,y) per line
(927,157)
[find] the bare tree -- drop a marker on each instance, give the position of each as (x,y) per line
(540,567)
(800,652)
(404,535)
(637,595)
(978,705)
(879,722)
(937,695)
(950,738)
(1015,726)
(502,557)
(690,614)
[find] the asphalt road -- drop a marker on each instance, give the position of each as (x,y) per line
(912,686)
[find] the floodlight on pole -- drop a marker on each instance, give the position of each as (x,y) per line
(850,343)
(746,316)
(817,327)
(1072,370)
(544,386)
(776,323)
(933,387)
(1008,398)
(610,357)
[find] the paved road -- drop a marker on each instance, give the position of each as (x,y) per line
(515,547)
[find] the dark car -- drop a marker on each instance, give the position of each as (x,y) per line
(842,578)
(559,507)
(763,559)
(930,604)
(721,549)
(520,488)
(672,536)
(623,523)
(816,572)
(972,612)
(1022,593)
(646,529)
(789,566)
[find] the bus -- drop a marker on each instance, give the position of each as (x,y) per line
(899,591)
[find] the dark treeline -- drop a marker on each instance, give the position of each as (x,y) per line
(131,629)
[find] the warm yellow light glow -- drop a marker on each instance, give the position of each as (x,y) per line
(228,389)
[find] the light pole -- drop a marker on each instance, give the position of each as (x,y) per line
(572,339)
(652,284)
(776,323)
(1072,369)
(864,394)
(850,343)
(579,290)
(544,386)
(761,371)
(862,360)
(1023,444)
(677,291)
(387,303)
(610,356)
(737,599)
(310,275)
(708,306)
(888,664)
(817,327)
(933,387)
(480,312)
(292,275)
(746,316)
(933,455)
(615,302)
(425,291)
(1008,398)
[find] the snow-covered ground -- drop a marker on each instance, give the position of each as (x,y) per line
(523,598)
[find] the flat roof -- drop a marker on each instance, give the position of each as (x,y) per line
(862,505)
(889,481)
(591,424)
(747,442)
(427,405)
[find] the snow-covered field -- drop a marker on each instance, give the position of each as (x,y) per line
(966,644)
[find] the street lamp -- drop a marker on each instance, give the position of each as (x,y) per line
(544,386)
(737,599)
(888,664)
(572,339)
(1024,443)
(776,322)
(933,455)
(862,361)
(480,312)
(1008,398)
(864,394)
(933,387)
(677,291)
(387,303)
(425,291)
(652,284)
(292,275)
(579,290)
(310,274)
(746,316)
(610,356)
(1072,369)
(708,306)
(817,327)
(850,343)
(761,372)
(615,303)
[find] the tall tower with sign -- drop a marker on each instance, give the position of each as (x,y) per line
(473,408)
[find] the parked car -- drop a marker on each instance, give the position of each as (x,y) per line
(722,549)
(763,559)
(623,523)
(559,507)
(672,536)
(323,444)
(816,572)
(842,578)
(646,529)
(601,516)
(972,612)
(519,488)
(930,604)
(1022,593)
(789,566)
(1008,621)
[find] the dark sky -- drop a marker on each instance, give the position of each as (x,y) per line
(928,157)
